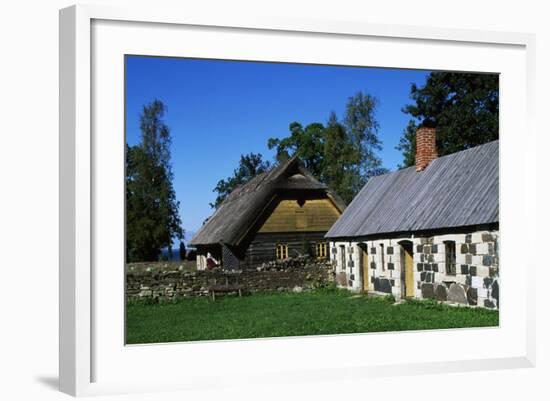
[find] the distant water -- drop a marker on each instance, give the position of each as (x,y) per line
(175,256)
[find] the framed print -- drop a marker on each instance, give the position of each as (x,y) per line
(267,198)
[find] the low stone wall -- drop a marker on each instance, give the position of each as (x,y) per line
(159,267)
(169,285)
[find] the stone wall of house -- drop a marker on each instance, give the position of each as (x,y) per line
(384,266)
(473,280)
(476,278)
(170,285)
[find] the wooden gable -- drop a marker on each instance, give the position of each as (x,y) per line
(312,216)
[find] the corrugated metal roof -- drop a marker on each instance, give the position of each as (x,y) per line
(461,189)
(240,209)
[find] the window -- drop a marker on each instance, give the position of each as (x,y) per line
(450,257)
(282,251)
(321,249)
(382,256)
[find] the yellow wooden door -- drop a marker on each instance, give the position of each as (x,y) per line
(409,277)
(365,264)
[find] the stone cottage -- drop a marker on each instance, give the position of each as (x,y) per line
(427,231)
(280,214)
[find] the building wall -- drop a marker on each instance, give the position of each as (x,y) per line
(300,225)
(313,215)
(263,247)
(475,283)
(214,251)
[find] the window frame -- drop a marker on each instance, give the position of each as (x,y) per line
(321,249)
(450,266)
(382,257)
(281,251)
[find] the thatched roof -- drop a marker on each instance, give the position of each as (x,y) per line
(457,190)
(239,211)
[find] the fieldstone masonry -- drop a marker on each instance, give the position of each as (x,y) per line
(170,285)
(473,280)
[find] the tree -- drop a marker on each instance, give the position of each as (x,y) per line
(340,161)
(152,217)
(341,155)
(463,107)
(407,145)
(250,165)
(306,143)
(183,252)
(362,127)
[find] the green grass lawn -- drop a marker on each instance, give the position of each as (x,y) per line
(291,314)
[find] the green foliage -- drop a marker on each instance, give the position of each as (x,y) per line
(429,304)
(315,312)
(463,107)
(306,143)
(389,298)
(341,160)
(362,127)
(250,165)
(306,248)
(331,289)
(152,217)
(407,145)
(341,155)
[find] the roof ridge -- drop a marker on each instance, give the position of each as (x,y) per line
(454,190)
(244,203)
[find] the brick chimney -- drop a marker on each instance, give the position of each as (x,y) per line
(426,148)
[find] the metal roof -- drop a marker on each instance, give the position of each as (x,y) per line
(461,189)
(241,208)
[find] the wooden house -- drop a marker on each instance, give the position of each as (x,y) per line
(282,213)
(427,231)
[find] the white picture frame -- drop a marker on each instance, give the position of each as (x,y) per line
(84,351)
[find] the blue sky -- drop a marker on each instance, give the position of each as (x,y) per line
(218,110)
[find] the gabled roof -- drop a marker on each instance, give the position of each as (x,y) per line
(238,212)
(461,189)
